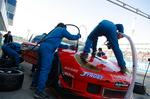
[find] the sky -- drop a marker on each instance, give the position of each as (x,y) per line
(41,16)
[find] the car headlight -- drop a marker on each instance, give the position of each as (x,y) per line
(121,84)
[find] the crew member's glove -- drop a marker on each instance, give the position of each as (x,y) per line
(72,47)
(120,35)
(79,35)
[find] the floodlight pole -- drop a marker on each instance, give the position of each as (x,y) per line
(130,8)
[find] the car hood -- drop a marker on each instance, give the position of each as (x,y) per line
(97,63)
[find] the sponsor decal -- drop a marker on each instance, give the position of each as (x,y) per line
(71,69)
(69,74)
(116,77)
(92,75)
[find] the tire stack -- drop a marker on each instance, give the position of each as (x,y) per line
(11,78)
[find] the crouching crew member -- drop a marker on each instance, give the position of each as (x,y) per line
(12,50)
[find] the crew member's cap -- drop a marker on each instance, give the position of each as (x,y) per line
(120,28)
(61,25)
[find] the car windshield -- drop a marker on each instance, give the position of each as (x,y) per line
(71,42)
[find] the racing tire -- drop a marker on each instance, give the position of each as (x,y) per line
(10,79)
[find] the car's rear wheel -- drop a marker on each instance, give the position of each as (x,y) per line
(10,79)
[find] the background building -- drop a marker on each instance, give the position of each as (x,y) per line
(7,12)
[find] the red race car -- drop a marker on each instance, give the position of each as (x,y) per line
(100,78)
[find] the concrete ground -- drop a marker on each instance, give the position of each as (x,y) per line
(26,93)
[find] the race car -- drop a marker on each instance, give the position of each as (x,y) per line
(99,78)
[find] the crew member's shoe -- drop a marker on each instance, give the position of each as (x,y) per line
(93,54)
(123,69)
(33,87)
(83,57)
(41,95)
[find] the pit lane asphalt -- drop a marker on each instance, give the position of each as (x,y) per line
(26,93)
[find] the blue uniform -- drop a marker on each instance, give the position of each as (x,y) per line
(109,30)
(12,50)
(100,54)
(46,52)
(38,38)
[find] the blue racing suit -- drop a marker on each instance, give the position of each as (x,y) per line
(100,54)
(109,30)
(38,38)
(12,50)
(46,52)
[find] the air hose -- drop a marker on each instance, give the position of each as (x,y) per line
(78,33)
(129,94)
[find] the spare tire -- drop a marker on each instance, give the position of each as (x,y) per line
(10,79)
